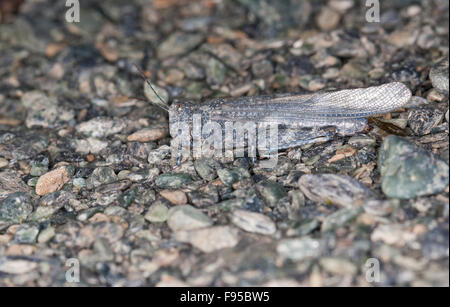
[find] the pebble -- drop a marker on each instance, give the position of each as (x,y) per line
(156,155)
(178,43)
(157,213)
(26,234)
(210,239)
(422,120)
(262,69)
(52,181)
(327,19)
(90,233)
(253,222)
(393,234)
(339,190)
(340,218)
(15,208)
(46,235)
(172,180)
(271,192)
(100,127)
(361,141)
(206,168)
(439,76)
(338,266)
(228,177)
(216,72)
(3,163)
(11,182)
(175,197)
(100,176)
(89,145)
(186,217)
(148,135)
(435,243)
(299,249)
(12,265)
(155,98)
(408,171)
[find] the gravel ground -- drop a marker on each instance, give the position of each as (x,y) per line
(86,174)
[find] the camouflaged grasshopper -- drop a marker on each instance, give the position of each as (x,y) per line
(298,119)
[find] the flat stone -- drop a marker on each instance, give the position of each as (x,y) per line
(408,171)
(271,192)
(178,43)
(175,197)
(100,127)
(147,135)
(157,213)
(439,76)
(15,208)
(186,217)
(16,266)
(52,181)
(253,222)
(210,239)
(11,182)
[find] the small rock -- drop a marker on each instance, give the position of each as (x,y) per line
(147,135)
(172,180)
(439,76)
(11,182)
(361,141)
(179,43)
(89,145)
(15,208)
(216,72)
(175,197)
(186,217)
(157,213)
(334,189)
(355,69)
(271,192)
(155,156)
(206,168)
(100,127)
(423,120)
(327,19)
(92,232)
(299,249)
(228,177)
(46,235)
(3,163)
(393,234)
(52,181)
(253,222)
(16,266)
(435,243)
(26,234)
(408,171)
(155,93)
(101,175)
(210,239)
(340,218)
(338,266)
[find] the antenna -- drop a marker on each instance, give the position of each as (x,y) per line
(162,105)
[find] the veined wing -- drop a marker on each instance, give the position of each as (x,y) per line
(343,104)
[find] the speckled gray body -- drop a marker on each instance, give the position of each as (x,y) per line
(301,119)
